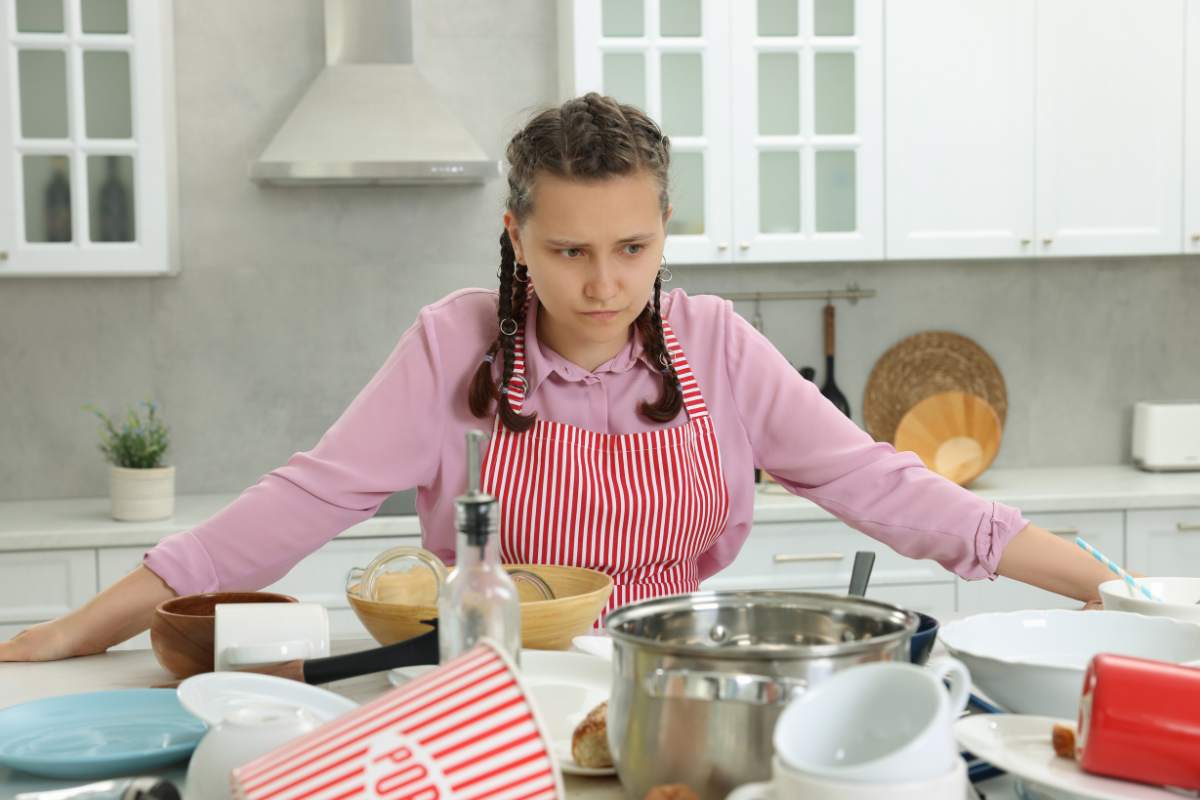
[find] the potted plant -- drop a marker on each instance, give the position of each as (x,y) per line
(141,488)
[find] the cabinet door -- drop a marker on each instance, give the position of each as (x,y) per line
(670,58)
(807,121)
(87,174)
(1104,529)
(1165,543)
(1109,127)
(1191,127)
(37,585)
(959,97)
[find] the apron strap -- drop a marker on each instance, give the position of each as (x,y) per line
(693,400)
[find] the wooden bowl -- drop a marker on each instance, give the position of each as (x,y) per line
(181,630)
(956,434)
(408,598)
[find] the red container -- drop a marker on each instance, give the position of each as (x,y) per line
(1140,720)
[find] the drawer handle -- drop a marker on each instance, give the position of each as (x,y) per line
(798,558)
(1065,531)
(1184,527)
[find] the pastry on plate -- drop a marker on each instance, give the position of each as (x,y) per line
(589,743)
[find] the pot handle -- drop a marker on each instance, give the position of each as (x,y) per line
(686,684)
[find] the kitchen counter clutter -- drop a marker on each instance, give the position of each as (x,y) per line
(55,554)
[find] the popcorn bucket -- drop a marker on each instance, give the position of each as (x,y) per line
(467,730)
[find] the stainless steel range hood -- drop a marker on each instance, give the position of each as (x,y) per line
(370,117)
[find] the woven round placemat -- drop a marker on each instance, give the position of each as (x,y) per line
(922,365)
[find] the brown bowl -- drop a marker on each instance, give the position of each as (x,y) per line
(409,598)
(181,630)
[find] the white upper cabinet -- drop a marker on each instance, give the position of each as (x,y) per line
(1034,127)
(670,58)
(1191,128)
(960,124)
(774,110)
(807,129)
(1109,126)
(87,149)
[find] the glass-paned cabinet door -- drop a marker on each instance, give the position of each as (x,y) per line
(807,120)
(86,159)
(671,59)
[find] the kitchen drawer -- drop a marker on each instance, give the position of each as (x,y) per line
(797,555)
(934,599)
(38,585)
(1164,542)
(1104,529)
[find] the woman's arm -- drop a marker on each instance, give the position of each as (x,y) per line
(119,612)
(1038,557)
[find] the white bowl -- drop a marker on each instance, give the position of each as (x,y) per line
(1033,662)
(1179,596)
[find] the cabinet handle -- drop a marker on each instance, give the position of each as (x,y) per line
(795,558)
(1047,241)
(1065,531)
(4,254)
(1196,238)
(1026,242)
(743,245)
(1184,527)
(723,246)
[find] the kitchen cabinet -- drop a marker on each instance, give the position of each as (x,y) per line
(1109,127)
(960,128)
(1164,542)
(87,166)
(1034,127)
(1105,530)
(773,108)
(1191,128)
(40,585)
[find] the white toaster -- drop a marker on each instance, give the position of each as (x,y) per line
(1166,436)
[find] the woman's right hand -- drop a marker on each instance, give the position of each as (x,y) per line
(46,641)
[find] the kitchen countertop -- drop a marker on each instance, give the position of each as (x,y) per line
(85,522)
(127,669)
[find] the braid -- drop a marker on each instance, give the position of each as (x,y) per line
(483,391)
(654,339)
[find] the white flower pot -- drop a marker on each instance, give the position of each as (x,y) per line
(142,494)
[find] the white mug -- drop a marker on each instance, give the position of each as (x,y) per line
(264,633)
(788,784)
(885,722)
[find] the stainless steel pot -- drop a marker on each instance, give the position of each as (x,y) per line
(699,680)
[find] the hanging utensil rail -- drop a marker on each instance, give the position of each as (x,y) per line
(852,293)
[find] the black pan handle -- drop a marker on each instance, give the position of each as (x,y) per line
(417,651)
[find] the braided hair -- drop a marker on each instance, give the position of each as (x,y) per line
(587,138)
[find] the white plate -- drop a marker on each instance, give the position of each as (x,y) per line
(594,645)
(211,695)
(1020,745)
(563,687)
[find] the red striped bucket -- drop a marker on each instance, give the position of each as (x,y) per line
(466,730)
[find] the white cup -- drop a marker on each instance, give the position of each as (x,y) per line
(242,735)
(788,784)
(886,722)
(264,633)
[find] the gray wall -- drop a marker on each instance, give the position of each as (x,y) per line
(289,299)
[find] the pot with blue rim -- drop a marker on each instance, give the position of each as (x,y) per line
(700,679)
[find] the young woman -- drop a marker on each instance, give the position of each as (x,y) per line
(626,420)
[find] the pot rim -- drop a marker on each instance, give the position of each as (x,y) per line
(908,620)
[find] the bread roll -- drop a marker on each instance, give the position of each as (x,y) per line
(589,743)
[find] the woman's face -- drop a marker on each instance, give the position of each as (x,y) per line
(593,250)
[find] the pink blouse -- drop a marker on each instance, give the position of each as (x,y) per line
(406,429)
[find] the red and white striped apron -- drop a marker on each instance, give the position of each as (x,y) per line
(641,507)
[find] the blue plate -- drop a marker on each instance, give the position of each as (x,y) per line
(98,734)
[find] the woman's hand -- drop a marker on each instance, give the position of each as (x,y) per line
(47,641)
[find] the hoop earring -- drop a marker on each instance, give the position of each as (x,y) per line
(508,326)
(664,273)
(517,276)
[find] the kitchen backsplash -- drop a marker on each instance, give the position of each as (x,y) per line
(289,299)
